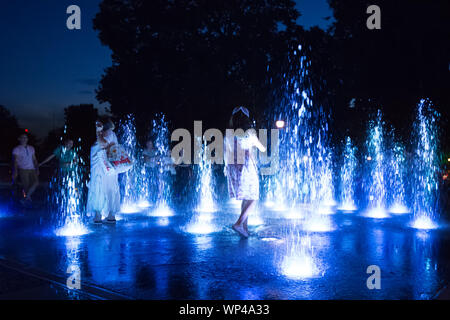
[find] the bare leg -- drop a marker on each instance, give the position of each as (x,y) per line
(241,223)
(245,224)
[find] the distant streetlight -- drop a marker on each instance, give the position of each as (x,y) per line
(280,124)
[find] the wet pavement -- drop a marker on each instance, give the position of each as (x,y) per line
(146,257)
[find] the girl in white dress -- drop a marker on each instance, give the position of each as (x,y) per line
(104,193)
(240,166)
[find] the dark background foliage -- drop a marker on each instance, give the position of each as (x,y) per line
(197,59)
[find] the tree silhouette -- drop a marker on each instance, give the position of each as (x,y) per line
(192,59)
(80,126)
(9,131)
(393,67)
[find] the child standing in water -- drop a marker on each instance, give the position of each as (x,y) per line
(104,194)
(240,165)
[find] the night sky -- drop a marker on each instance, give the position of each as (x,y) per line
(44,67)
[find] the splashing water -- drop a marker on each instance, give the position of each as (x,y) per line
(130,179)
(66,195)
(205,185)
(161,185)
(375,169)
(397,180)
(201,222)
(425,187)
(305,155)
(347,175)
(299,262)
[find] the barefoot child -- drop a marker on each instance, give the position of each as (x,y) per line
(240,165)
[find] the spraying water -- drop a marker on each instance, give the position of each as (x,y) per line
(66,195)
(348,171)
(305,166)
(130,179)
(375,168)
(397,180)
(201,223)
(163,183)
(425,186)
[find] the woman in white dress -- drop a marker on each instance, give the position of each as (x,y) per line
(240,166)
(104,193)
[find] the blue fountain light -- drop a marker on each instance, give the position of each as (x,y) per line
(161,183)
(348,172)
(130,179)
(305,175)
(425,186)
(66,196)
(205,184)
(201,222)
(375,169)
(397,180)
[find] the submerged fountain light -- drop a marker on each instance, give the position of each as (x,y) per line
(130,179)
(348,207)
(299,263)
(424,222)
(376,213)
(163,210)
(234,202)
(298,266)
(129,208)
(144,204)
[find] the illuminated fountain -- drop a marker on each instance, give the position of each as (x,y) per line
(375,169)
(144,183)
(348,171)
(162,184)
(425,186)
(397,180)
(66,196)
(305,154)
(129,180)
(201,222)
(299,262)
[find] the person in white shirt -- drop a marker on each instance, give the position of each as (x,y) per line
(25,166)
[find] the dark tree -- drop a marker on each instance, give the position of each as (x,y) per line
(80,126)
(9,132)
(192,59)
(391,68)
